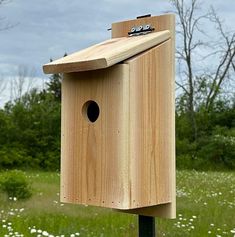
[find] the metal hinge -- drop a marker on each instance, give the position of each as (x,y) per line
(140,30)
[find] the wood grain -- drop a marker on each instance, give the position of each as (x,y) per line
(160,23)
(94,156)
(123,159)
(126,159)
(106,54)
(152,126)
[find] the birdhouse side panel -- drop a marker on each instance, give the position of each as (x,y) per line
(151,127)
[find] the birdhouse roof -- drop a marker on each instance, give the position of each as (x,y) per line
(107,53)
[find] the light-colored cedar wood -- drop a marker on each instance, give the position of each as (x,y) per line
(94,156)
(160,23)
(152,126)
(126,159)
(123,160)
(106,54)
(160,210)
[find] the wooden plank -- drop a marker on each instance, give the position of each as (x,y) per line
(163,22)
(94,156)
(106,54)
(151,129)
(160,23)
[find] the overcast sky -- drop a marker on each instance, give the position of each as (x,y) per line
(47,29)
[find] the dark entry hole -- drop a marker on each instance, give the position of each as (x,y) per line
(91,110)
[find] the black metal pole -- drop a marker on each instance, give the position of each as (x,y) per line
(146,226)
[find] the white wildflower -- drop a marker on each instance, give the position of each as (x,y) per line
(44,233)
(33,231)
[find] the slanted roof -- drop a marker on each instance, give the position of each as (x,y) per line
(107,53)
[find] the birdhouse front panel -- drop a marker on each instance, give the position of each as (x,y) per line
(95,110)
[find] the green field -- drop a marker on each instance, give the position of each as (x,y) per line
(205,207)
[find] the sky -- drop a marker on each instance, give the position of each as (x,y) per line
(45,29)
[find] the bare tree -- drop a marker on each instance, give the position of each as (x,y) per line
(201,87)
(3,85)
(225,62)
(22,83)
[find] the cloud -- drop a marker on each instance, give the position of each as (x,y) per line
(47,29)
(50,28)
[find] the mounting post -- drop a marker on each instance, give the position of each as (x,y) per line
(146,226)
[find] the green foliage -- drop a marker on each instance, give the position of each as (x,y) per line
(214,147)
(16,185)
(54,86)
(14,157)
(30,132)
(219,148)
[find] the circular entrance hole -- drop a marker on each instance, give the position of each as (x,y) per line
(91,111)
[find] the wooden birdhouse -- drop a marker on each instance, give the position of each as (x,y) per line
(118,129)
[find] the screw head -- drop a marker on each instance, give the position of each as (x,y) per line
(140,28)
(133,29)
(147,27)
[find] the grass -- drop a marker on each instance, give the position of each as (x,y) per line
(205,207)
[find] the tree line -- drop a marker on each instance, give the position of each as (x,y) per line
(30,129)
